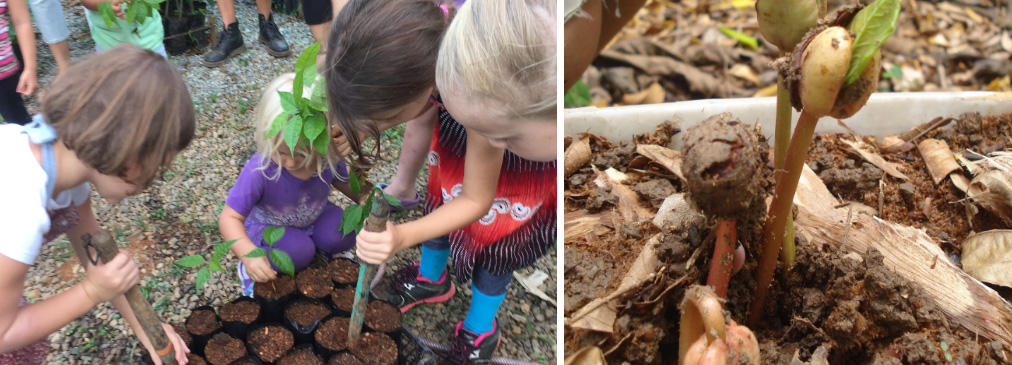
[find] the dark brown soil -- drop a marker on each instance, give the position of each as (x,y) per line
(279,287)
(195,359)
(223,349)
(344,271)
(343,298)
(314,283)
(333,334)
(305,313)
(383,316)
(248,360)
(344,358)
(376,348)
(270,343)
(203,322)
(240,311)
(183,334)
(301,356)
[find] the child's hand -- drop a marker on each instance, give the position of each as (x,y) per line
(177,345)
(117,8)
(340,141)
(28,82)
(108,280)
(259,269)
(377,247)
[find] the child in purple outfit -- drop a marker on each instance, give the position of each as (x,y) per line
(278,190)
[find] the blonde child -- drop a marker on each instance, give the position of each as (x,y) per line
(278,190)
(495,210)
(101,124)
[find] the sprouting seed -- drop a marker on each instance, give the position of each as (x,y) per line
(945,346)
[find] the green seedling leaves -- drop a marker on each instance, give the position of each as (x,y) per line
(356,185)
(202,276)
(578,95)
(108,15)
(191,261)
(313,127)
(293,131)
(350,219)
(284,262)
(273,234)
(277,125)
(321,143)
(871,27)
(288,102)
(945,346)
(318,99)
(221,249)
(256,253)
(305,69)
(141,11)
(747,40)
(392,200)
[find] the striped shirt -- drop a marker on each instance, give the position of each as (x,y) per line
(8,63)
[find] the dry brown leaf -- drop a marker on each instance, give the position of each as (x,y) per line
(699,81)
(629,205)
(893,144)
(652,95)
(961,182)
(669,158)
(577,155)
(992,190)
(580,223)
(742,71)
(587,356)
(939,158)
(599,315)
(875,159)
(987,256)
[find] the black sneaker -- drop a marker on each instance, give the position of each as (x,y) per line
(411,288)
(229,44)
(467,347)
(271,37)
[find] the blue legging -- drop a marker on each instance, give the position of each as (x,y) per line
(487,290)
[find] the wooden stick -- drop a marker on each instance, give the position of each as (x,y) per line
(107,250)
(377,222)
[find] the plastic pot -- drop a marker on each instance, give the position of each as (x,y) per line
(238,329)
(175,35)
(272,309)
(199,341)
(254,342)
(304,333)
(301,348)
(384,309)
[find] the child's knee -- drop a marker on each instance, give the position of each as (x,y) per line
(298,245)
(326,234)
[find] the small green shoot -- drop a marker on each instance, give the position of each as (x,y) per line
(945,349)
(278,257)
(303,120)
(871,27)
(745,39)
(213,96)
(136,11)
(204,274)
(353,217)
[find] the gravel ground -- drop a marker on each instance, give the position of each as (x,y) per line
(178,217)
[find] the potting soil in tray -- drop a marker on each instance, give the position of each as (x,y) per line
(270,342)
(344,271)
(383,316)
(277,288)
(314,283)
(344,358)
(376,348)
(333,333)
(183,334)
(343,298)
(194,359)
(302,355)
(244,311)
(304,313)
(248,360)
(203,322)
(223,349)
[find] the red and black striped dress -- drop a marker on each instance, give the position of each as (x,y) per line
(520,226)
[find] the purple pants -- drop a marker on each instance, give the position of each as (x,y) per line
(301,243)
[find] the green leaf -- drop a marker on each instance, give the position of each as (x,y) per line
(273,234)
(945,346)
(314,126)
(277,125)
(154,2)
(305,66)
(221,249)
(578,95)
(215,266)
(871,27)
(293,131)
(108,15)
(318,99)
(948,356)
(284,262)
(392,200)
(351,219)
(191,261)
(363,214)
(288,102)
(322,143)
(202,276)
(356,186)
(142,10)
(131,13)
(257,252)
(742,38)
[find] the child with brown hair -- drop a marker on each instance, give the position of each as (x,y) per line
(103,124)
(494,210)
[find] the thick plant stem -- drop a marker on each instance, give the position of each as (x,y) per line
(776,219)
(782,141)
(723,256)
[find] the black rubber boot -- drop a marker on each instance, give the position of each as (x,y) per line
(229,44)
(271,37)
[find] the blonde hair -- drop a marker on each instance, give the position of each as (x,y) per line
(268,109)
(504,51)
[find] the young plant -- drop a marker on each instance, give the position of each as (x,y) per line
(279,258)
(831,73)
(220,250)
(303,120)
(136,11)
(353,217)
(706,338)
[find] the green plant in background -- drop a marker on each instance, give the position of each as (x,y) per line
(136,11)
(578,95)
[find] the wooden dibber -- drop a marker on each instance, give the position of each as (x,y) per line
(107,250)
(377,222)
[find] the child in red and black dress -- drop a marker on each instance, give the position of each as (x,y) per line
(492,171)
(17,61)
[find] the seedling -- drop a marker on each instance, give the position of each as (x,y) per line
(353,217)
(277,257)
(945,349)
(214,265)
(706,338)
(136,11)
(830,73)
(303,118)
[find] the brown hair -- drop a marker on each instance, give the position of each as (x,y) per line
(381,54)
(126,105)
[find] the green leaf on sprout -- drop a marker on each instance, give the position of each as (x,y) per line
(318,99)
(215,266)
(578,95)
(277,125)
(191,261)
(154,2)
(142,11)
(284,262)
(948,356)
(288,102)
(273,234)
(293,130)
(307,64)
(871,27)
(202,276)
(945,346)
(321,143)
(257,252)
(351,219)
(356,185)
(314,126)
(392,200)
(363,214)
(747,40)
(108,15)
(221,249)
(131,13)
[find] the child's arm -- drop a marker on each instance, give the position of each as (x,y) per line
(230,223)
(26,41)
(481,176)
(89,225)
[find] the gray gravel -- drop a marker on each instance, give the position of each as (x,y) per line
(178,217)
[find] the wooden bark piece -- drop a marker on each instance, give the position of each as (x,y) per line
(939,158)
(910,253)
(875,159)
